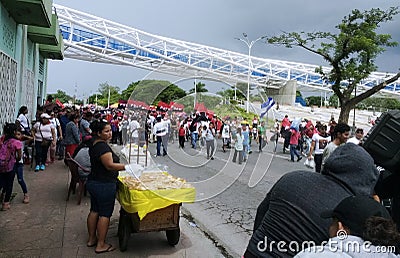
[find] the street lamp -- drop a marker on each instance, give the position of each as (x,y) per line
(109,93)
(195,94)
(354,110)
(249,44)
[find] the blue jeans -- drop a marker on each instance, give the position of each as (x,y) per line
(245,150)
(19,170)
(41,153)
(102,197)
(159,143)
(293,151)
(195,136)
(6,183)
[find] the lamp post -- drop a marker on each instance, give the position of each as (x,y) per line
(108,100)
(249,44)
(195,94)
(354,112)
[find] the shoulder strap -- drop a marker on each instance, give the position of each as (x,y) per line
(40,131)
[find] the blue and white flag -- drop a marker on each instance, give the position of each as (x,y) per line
(268,105)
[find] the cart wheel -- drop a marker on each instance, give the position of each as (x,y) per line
(124,232)
(173,236)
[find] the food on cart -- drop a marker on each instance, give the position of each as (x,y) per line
(155,181)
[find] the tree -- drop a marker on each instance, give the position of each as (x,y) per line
(62,96)
(333,101)
(313,101)
(385,103)
(230,93)
(200,87)
(351,53)
(152,91)
(104,89)
(126,94)
(241,90)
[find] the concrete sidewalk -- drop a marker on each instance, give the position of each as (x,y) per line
(51,227)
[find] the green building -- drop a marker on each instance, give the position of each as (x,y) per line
(29,37)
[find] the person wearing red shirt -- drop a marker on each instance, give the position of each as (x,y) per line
(294,141)
(182,134)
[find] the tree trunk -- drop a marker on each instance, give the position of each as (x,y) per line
(344,113)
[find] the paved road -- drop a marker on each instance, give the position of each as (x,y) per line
(227,193)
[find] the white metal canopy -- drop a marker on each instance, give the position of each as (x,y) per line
(94,39)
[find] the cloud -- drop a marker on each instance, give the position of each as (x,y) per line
(215,23)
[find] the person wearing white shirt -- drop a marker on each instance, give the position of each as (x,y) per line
(167,124)
(51,156)
(23,120)
(357,137)
(209,137)
(134,130)
(159,130)
(319,141)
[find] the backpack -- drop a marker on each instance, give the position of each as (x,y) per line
(6,164)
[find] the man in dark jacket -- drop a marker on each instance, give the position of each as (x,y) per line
(290,213)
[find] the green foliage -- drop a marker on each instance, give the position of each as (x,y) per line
(313,101)
(209,101)
(333,101)
(152,91)
(62,96)
(256,98)
(126,94)
(385,103)
(104,90)
(200,87)
(230,93)
(351,52)
(171,93)
(241,90)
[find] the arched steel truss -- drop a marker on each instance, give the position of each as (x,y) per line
(94,39)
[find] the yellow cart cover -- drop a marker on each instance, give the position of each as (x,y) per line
(146,201)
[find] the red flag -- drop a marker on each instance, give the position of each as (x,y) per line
(59,103)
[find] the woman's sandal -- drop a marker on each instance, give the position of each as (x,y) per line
(109,249)
(91,245)
(6,206)
(26,199)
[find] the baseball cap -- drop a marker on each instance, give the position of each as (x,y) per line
(353,211)
(45,115)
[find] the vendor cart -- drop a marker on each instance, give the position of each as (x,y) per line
(165,219)
(150,210)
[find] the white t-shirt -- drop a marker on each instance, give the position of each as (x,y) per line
(133,127)
(167,124)
(209,134)
(160,129)
(23,120)
(56,123)
(45,129)
(328,151)
(320,142)
(225,131)
(353,140)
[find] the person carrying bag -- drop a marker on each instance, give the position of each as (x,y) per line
(44,135)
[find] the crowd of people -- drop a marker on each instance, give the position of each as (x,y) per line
(302,206)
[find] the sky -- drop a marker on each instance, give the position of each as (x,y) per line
(213,23)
